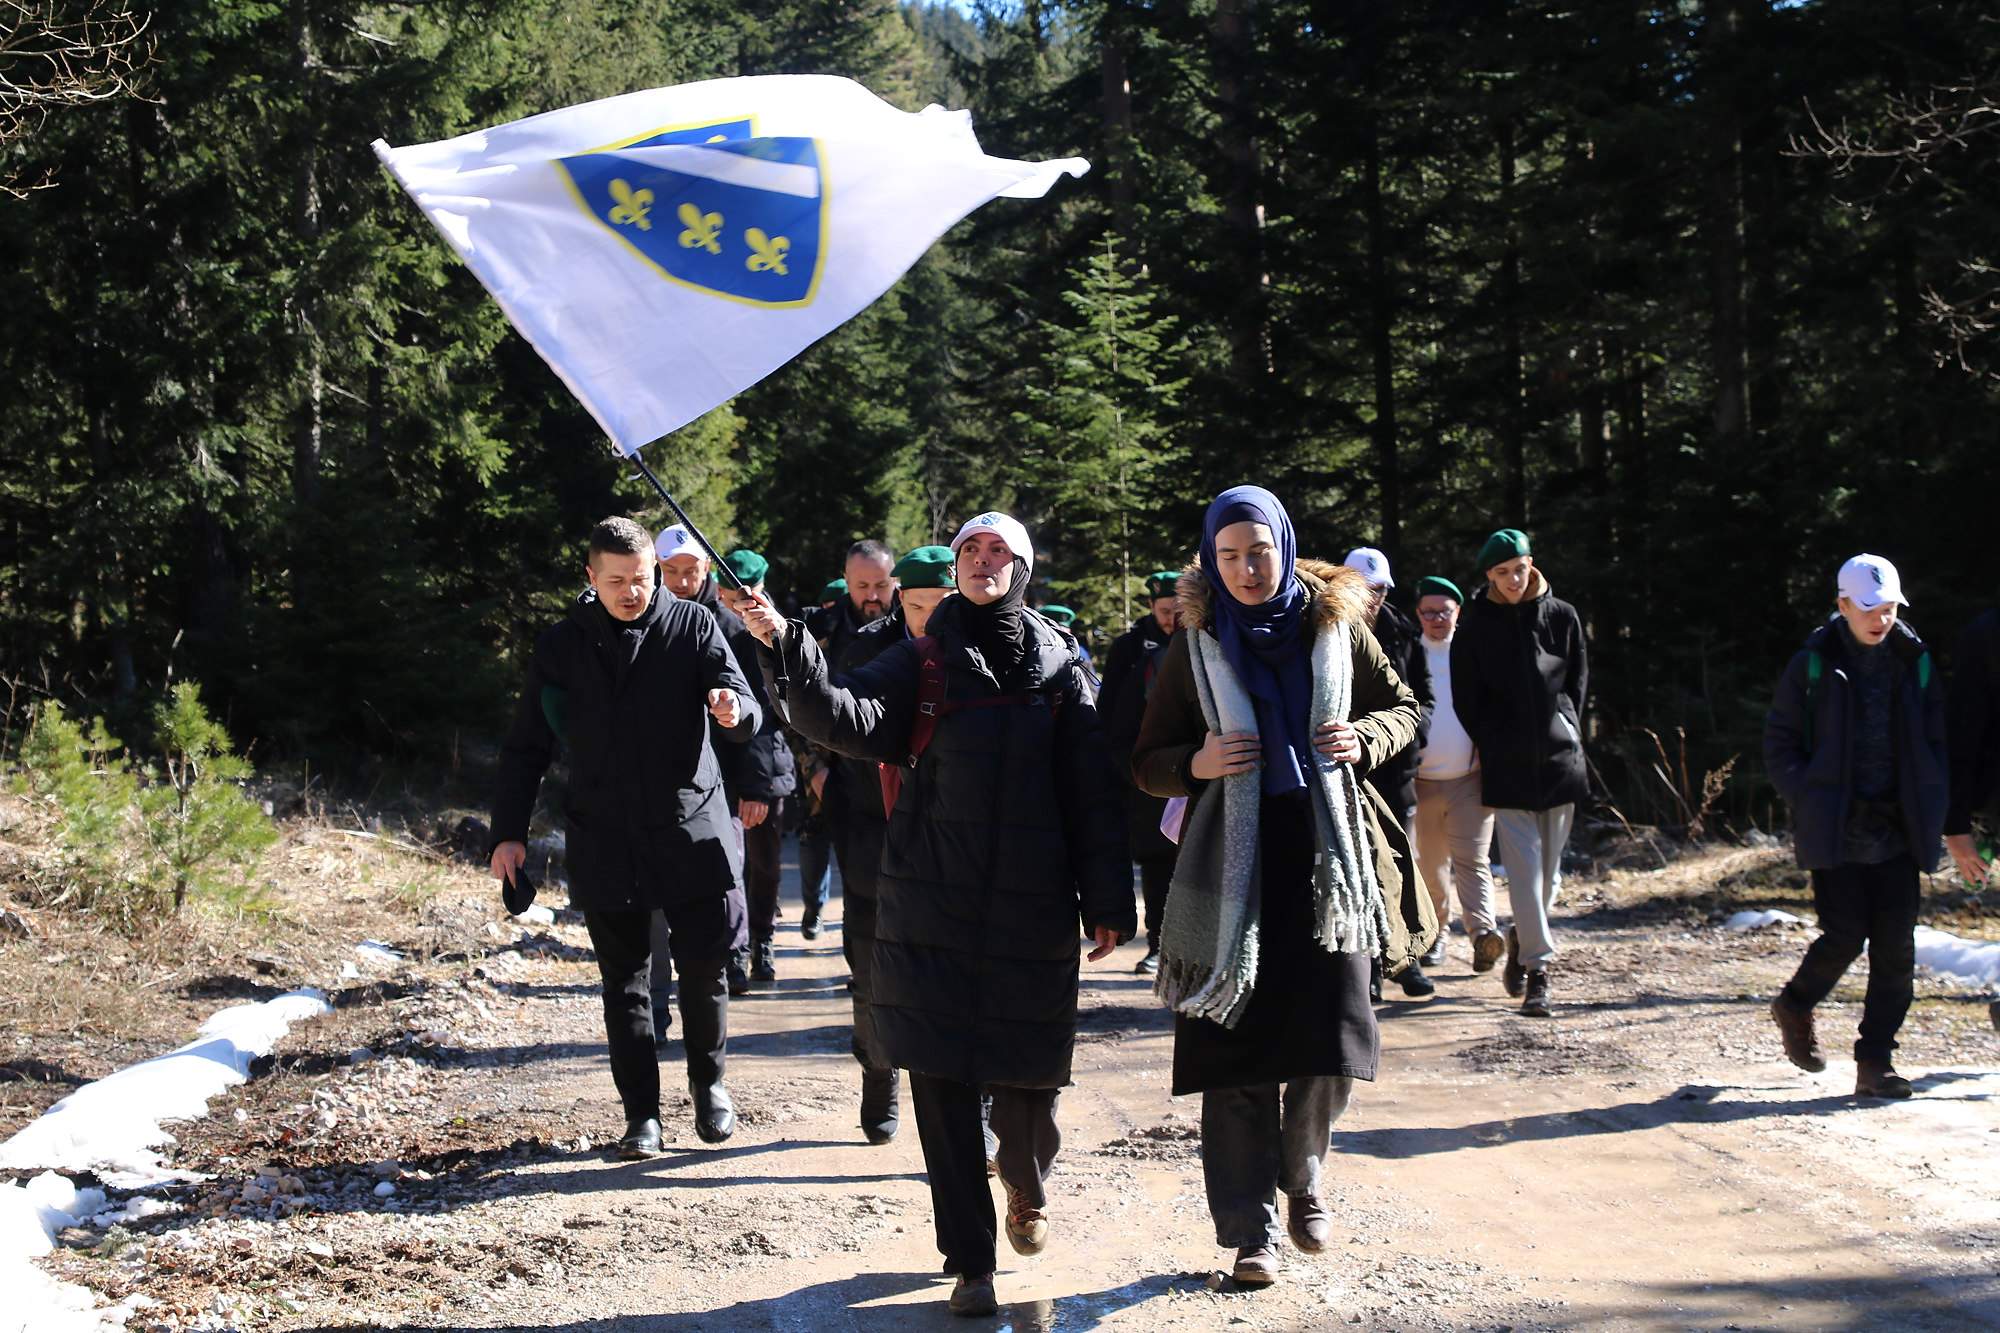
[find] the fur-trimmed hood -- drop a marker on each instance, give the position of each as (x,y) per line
(1337,594)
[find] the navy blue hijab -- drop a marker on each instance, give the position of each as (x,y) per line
(1266,644)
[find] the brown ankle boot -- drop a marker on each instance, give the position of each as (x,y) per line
(1878,1078)
(1795,1027)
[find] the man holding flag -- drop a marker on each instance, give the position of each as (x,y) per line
(628,682)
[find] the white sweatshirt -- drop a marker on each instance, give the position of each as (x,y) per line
(1449,753)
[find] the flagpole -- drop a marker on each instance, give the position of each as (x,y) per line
(714,556)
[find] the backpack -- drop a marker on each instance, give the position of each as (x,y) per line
(932,705)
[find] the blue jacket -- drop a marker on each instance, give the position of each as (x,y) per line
(1809,746)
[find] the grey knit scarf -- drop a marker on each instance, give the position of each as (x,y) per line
(1209,937)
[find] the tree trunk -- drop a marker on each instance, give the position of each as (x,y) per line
(1727,342)
(1117,112)
(1243,213)
(1513,408)
(1381,317)
(306,424)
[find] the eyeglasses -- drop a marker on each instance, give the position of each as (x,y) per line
(1439,615)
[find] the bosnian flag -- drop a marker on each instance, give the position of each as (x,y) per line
(665,250)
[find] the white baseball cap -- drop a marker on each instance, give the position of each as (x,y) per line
(1869,581)
(1008,529)
(1372,564)
(675,541)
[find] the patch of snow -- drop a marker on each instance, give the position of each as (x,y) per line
(31,1213)
(112,1126)
(1759,920)
(1973,962)
(135,1209)
(539,915)
(375,951)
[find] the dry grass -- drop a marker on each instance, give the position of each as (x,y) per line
(82,998)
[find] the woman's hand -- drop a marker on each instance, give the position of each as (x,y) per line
(762,618)
(1338,741)
(1224,756)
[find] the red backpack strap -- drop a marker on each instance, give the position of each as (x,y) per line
(923,725)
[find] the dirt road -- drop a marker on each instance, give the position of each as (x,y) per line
(1645,1160)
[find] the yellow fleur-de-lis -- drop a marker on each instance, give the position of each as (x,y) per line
(633,205)
(769,252)
(703,229)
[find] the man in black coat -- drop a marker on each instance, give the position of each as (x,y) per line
(1974,732)
(1519,674)
(1129,671)
(629,682)
(1395,780)
(1855,743)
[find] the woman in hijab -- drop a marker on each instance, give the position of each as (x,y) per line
(1274,701)
(1005,835)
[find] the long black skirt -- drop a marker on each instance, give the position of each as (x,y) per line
(1309,1012)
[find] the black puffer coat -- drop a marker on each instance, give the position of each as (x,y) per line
(646,820)
(1518,680)
(1809,746)
(1396,778)
(1006,837)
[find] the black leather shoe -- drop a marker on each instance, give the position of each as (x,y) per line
(738,971)
(1513,977)
(809,924)
(1414,983)
(881,1109)
(642,1140)
(714,1112)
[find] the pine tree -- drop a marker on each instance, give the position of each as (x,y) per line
(1102,447)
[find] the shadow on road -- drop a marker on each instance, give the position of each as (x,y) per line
(1693,1103)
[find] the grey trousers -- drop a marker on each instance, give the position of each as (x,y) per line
(1258,1140)
(1454,850)
(1531,847)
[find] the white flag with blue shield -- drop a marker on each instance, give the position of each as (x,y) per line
(665,250)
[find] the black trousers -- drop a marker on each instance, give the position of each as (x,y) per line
(860,849)
(954,1144)
(1155,874)
(699,931)
(1873,907)
(763,848)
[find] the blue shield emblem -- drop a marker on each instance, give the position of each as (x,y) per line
(740,217)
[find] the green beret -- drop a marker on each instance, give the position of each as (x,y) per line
(1432,585)
(1062,615)
(747,565)
(1504,545)
(925,567)
(833,591)
(1162,583)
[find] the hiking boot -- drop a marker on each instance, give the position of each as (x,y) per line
(1878,1078)
(763,961)
(973,1297)
(881,1112)
(1795,1029)
(1435,956)
(809,923)
(1536,1005)
(1307,1219)
(1256,1266)
(1027,1225)
(1513,977)
(1375,981)
(739,972)
(642,1140)
(1414,983)
(1486,950)
(714,1112)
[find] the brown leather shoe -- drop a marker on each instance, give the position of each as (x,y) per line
(1256,1266)
(1307,1219)
(1027,1225)
(1795,1027)
(973,1297)
(1486,950)
(1878,1078)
